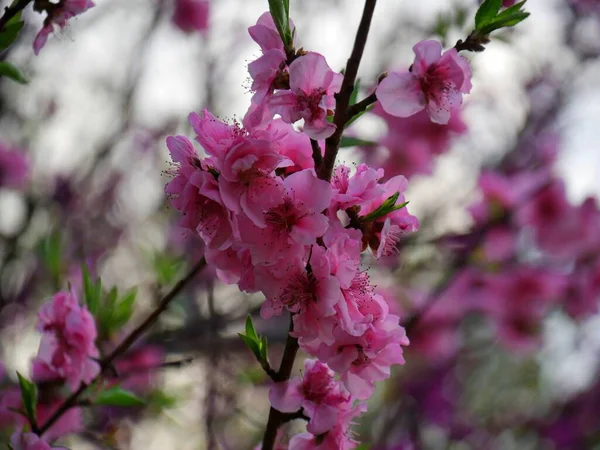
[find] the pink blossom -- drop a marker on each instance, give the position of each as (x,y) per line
(191,15)
(508,3)
(195,193)
(14,168)
(383,234)
(292,144)
(317,392)
(59,14)
(294,222)
(233,266)
(338,438)
(247,182)
(312,86)
(265,33)
(343,251)
(306,289)
(361,187)
(67,348)
(363,360)
(435,83)
(360,306)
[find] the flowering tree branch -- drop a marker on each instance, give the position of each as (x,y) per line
(129,340)
(332,144)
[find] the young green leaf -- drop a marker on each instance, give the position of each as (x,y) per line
(388,206)
(355,142)
(51,254)
(92,292)
(487,12)
(281,19)
(123,310)
(118,397)
(252,345)
(29,398)
(358,116)
(10,71)
(250,330)
(11,31)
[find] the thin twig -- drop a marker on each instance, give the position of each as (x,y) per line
(125,344)
(332,144)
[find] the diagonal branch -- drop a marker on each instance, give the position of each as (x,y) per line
(332,144)
(129,340)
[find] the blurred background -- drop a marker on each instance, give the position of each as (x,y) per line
(500,311)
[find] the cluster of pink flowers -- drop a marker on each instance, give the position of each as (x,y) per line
(304,89)
(271,225)
(59,14)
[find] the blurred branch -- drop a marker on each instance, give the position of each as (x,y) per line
(129,340)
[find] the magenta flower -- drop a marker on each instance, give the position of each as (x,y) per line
(312,87)
(338,438)
(383,234)
(355,190)
(14,168)
(195,193)
(317,392)
(67,349)
(191,15)
(59,14)
(363,360)
(435,83)
(292,223)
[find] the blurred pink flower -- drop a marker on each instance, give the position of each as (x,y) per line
(191,15)
(59,14)
(14,168)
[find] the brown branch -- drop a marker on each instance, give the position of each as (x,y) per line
(107,362)
(277,418)
(317,154)
(332,144)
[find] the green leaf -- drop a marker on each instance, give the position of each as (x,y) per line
(166,268)
(252,345)
(487,12)
(11,31)
(359,115)
(118,397)
(505,21)
(123,310)
(90,298)
(51,254)
(10,71)
(250,330)
(29,398)
(388,206)
(277,8)
(355,142)
(363,447)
